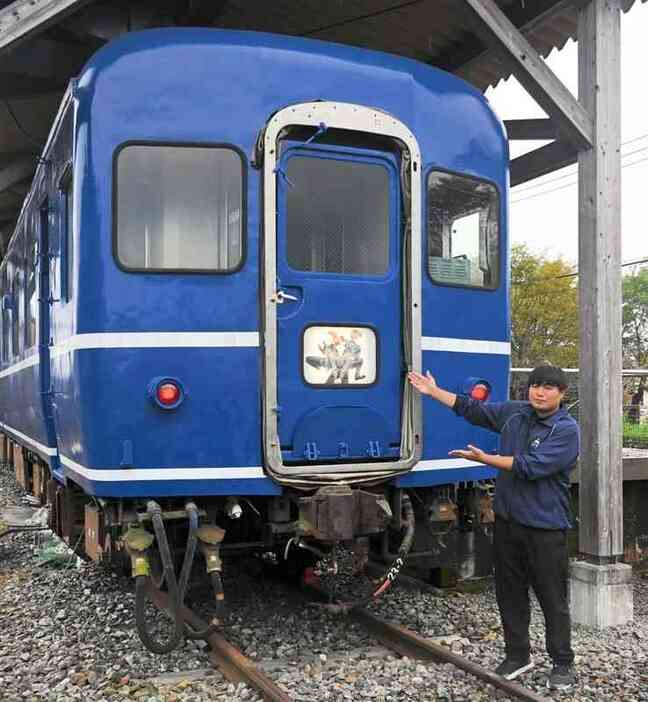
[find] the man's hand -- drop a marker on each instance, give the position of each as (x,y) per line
(425,384)
(470,453)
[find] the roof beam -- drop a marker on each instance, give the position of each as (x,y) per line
(23,18)
(527,16)
(571,118)
(17,171)
(544,160)
(533,129)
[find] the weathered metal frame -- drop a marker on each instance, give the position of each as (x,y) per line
(352,118)
(588,130)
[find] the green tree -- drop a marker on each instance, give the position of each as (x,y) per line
(635,338)
(544,311)
(635,320)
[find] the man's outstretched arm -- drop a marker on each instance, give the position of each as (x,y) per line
(490,415)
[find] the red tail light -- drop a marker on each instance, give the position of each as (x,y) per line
(168,394)
(480,392)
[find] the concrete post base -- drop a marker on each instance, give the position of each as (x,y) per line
(601,595)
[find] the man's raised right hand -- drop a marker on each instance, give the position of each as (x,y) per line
(425,384)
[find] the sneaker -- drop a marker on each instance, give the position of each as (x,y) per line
(562,676)
(510,669)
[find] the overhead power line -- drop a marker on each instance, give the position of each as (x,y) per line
(571,185)
(574,274)
(572,173)
(623,265)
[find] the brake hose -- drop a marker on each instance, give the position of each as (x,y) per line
(142,584)
(217,584)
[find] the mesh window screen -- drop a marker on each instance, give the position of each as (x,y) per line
(337,216)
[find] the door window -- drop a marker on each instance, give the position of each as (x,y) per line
(338,214)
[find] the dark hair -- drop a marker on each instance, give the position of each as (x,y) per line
(550,375)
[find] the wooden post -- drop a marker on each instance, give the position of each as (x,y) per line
(599,244)
(601,592)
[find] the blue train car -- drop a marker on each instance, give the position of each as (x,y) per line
(235,247)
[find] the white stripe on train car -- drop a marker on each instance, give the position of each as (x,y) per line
(440,343)
(230,339)
(143,340)
(447,464)
(47,450)
(222,473)
(31,361)
(130,474)
(157,340)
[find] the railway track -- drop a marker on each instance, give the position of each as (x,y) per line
(237,667)
(231,662)
(408,643)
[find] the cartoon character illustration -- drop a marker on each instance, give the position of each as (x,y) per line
(339,356)
(352,356)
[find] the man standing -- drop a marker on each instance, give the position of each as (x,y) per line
(539,445)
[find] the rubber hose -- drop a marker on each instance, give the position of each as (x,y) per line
(141,591)
(169,576)
(142,583)
(406,544)
(190,551)
(217,585)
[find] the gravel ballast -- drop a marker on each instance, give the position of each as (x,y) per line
(68,634)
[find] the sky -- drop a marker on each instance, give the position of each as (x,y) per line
(544,211)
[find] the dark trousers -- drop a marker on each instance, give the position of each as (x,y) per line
(538,558)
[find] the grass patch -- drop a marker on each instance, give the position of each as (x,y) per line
(635,435)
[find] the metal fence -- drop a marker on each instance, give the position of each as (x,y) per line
(635,402)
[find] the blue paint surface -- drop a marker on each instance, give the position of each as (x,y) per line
(198,86)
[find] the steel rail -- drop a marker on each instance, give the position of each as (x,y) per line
(408,643)
(235,666)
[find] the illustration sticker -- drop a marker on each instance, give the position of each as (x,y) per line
(339,356)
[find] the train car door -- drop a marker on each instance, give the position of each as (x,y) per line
(342,322)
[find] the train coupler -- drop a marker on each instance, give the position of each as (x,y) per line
(339,513)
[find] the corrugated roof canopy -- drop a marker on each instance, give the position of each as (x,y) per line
(35,70)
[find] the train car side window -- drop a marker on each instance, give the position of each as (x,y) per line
(463,231)
(178,208)
(31,292)
(15,315)
(6,315)
(66,189)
